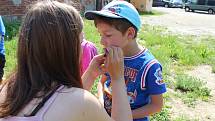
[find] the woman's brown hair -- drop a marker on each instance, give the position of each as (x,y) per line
(48,54)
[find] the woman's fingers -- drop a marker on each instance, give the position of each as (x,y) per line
(115,63)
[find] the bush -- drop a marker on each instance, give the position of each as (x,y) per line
(186,83)
(12,28)
(192,89)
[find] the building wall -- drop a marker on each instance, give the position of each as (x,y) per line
(16,8)
(142,5)
(88,5)
(93,4)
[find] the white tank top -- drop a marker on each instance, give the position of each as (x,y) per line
(40,114)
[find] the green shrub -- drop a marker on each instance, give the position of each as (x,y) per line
(192,89)
(187,83)
(12,28)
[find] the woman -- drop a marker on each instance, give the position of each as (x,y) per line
(47,85)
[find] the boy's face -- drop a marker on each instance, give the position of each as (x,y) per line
(111,36)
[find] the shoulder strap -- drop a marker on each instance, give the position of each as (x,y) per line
(41,104)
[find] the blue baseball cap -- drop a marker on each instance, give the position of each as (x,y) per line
(117,9)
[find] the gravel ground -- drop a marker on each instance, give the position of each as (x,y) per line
(181,22)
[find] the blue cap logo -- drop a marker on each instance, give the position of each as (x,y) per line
(115,9)
(118,9)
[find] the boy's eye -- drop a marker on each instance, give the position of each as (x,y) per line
(108,35)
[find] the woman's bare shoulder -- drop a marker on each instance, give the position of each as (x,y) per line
(80,96)
(76,93)
(82,105)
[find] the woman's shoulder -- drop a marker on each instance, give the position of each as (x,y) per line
(79,96)
(81,104)
(75,92)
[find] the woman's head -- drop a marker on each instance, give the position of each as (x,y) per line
(49,41)
(48,53)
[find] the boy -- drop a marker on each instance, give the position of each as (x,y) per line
(118,23)
(2,49)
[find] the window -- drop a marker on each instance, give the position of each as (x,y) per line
(177,1)
(192,1)
(211,2)
(201,2)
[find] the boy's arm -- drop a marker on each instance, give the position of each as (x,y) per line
(153,80)
(2,27)
(149,109)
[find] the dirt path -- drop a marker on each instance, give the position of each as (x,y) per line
(203,111)
(206,109)
(180,22)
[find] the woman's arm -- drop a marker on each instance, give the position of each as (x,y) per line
(100,88)
(114,64)
(121,111)
(92,72)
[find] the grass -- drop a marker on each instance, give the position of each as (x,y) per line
(10,52)
(91,34)
(170,48)
(184,118)
(153,12)
(164,115)
(191,89)
(176,54)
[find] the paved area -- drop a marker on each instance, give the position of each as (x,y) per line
(181,22)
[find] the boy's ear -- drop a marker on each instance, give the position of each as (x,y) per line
(130,33)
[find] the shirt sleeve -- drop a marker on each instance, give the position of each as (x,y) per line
(2,27)
(154,80)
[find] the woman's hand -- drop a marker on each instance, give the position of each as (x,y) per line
(96,65)
(114,63)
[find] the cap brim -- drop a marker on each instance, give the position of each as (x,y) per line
(90,15)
